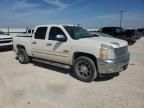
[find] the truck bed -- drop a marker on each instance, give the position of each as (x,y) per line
(24,35)
(24,41)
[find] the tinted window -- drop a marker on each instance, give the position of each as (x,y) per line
(29,31)
(107,30)
(54,31)
(41,33)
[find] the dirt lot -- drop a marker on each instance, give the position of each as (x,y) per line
(42,86)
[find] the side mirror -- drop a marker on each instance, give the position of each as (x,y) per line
(61,38)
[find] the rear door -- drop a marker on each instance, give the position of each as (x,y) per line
(38,47)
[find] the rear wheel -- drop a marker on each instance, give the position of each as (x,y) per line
(85,69)
(23,57)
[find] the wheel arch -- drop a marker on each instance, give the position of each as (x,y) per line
(92,57)
(20,46)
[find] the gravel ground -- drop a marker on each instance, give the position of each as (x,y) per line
(42,86)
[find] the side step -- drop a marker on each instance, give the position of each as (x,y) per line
(52,63)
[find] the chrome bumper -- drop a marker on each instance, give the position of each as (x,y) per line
(113,66)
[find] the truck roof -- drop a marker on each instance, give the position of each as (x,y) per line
(58,25)
(111,27)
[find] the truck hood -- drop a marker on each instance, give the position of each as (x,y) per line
(114,42)
(2,36)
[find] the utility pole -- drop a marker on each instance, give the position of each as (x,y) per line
(8,30)
(121,17)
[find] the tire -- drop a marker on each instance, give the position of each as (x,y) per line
(22,56)
(131,42)
(84,69)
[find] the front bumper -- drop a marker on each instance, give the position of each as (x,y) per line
(6,45)
(113,66)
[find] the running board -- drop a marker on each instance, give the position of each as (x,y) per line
(52,63)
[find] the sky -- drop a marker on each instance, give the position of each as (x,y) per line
(87,13)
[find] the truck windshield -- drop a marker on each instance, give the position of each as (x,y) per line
(78,32)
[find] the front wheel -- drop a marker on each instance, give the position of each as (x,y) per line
(23,57)
(131,42)
(85,69)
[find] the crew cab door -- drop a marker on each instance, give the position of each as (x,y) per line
(38,45)
(60,48)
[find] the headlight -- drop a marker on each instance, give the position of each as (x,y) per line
(107,52)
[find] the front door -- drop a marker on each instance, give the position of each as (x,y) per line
(60,51)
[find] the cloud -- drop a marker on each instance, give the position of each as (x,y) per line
(23,4)
(28,7)
(41,5)
(130,19)
(106,16)
(57,3)
(25,12)
(61,4)
(133,16)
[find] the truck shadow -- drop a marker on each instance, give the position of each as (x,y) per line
(50,67)
(106,77)
(70,72)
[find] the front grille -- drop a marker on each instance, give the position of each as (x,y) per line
(5,38)
(121,51)
(8,41)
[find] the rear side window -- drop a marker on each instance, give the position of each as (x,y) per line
(41,33)
(54,31)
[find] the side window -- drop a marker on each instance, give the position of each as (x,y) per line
(107,30)
(103,30)
(41,33)
(54,31)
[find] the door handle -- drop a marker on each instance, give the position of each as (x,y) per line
(33,42)
(49,44)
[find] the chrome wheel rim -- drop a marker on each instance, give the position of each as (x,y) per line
(21,58)
(83,69)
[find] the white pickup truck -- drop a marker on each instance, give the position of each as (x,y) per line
(72,46)
(5,40)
